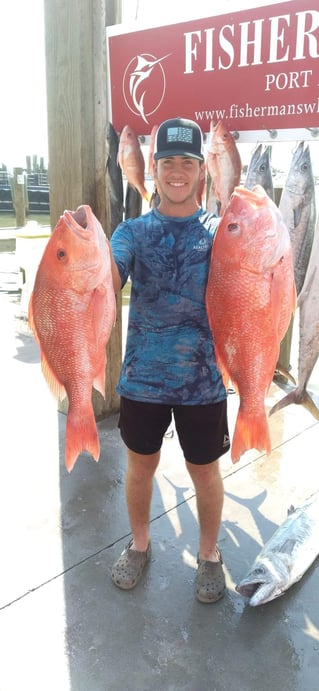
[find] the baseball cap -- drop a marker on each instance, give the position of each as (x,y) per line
(179,137)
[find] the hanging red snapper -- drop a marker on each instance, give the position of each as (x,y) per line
(72,312)
(131,160)
(223,163)
(250,298)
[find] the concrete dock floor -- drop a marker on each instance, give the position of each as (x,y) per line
(64,626)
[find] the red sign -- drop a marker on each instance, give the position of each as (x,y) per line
(256,69)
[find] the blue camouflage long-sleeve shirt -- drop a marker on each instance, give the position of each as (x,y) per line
(170,355)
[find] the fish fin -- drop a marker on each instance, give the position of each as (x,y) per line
(286,400)
(288,545)
(99,380)
(285,373)
(146,195)
(30,318)
(225,378)
(55,386)
(296,397)
(297,213)
(98,308)
(251,432)
(81,435)
(98,316)
(223,370)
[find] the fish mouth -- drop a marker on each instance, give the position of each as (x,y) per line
(80,221)
(249,588)
(259,592)
(81,224)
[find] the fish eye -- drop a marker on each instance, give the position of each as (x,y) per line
(233,227)
(61,254)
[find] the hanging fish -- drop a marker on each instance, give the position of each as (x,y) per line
(223,163)
(308,303)
(298,209)
(259,170)
(131,160)
(114,178)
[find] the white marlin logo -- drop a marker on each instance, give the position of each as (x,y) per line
(140,70)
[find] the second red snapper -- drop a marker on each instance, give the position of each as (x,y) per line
(131,160)
(250,297)
(72,313)
(223,163)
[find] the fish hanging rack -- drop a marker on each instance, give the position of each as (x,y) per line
(265,135)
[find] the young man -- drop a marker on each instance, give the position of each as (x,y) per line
(169,365)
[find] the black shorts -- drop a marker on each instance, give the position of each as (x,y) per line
(202,429)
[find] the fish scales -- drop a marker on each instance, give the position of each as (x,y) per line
(285,557)
(250,297)
(72,313)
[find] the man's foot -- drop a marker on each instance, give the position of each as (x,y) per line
(129,567)
(210,580)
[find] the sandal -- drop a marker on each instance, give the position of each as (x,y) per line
(129,567)
(210,580)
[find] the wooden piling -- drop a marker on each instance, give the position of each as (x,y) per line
(18,194)
(75,40)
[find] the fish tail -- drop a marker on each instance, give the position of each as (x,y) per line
(283,370)
(146,195)
(251,432)
(297,397)
(81,435)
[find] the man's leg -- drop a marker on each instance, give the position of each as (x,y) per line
(209,490)
(139,488)
(210,578)
(128,569)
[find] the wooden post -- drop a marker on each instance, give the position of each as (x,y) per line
(19,196)
(75,38)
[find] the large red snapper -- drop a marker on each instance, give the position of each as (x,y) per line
(250,297)
(72,312)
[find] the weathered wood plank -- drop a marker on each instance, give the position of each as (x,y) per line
(75,40)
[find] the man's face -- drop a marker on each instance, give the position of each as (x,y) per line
(177,177)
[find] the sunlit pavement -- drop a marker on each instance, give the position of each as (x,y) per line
(63,624)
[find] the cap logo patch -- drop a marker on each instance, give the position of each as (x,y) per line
(179,134)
